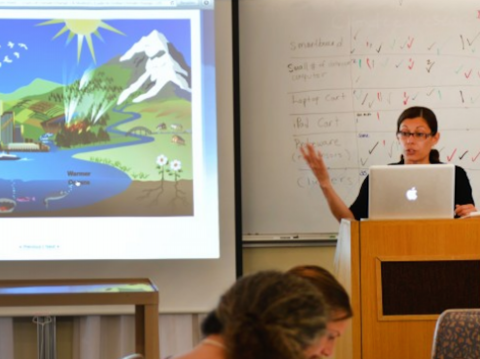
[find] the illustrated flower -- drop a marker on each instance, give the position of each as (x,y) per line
(162,160)
(176,165)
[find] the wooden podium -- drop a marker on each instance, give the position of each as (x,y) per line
(401,275)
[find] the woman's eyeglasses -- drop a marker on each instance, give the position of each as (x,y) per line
(416,135)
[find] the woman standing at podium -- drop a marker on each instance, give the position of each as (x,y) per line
(417,133)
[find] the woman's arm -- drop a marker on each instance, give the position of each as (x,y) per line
(464,203)
(315,161)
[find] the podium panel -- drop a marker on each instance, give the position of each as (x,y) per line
(424,286)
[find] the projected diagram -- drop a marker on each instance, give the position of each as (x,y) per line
(103,128)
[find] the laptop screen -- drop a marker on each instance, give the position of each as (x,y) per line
(411,191)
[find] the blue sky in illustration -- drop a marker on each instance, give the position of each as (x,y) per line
(55,60)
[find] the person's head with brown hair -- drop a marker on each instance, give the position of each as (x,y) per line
(337,300)
(273,315)
(417,133)
(334,293)
(266,315)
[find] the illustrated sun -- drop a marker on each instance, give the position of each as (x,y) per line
(84,30)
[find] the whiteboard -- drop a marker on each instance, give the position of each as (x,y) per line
(338,74)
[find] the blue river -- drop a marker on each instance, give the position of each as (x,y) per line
(46,181)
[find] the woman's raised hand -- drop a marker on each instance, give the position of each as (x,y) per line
(315,161)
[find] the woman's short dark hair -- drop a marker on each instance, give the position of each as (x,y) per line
(431,120)
(422,112)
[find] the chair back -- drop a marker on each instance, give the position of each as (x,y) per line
(457,335)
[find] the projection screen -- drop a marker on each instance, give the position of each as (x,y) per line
(117,155)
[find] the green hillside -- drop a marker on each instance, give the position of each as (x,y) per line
(36,87)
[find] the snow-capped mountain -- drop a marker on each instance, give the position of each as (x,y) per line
(157,64)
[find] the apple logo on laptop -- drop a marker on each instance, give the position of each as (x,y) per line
(412,194)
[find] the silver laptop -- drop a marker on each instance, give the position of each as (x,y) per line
(411,191)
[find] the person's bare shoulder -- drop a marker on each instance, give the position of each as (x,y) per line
(201,352)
